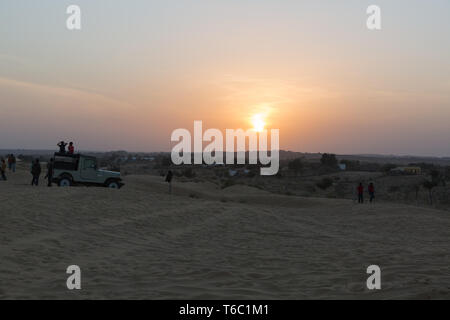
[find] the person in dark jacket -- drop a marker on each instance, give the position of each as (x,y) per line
(49,176)
(169,177)
(3,169)
(62,147)
(36,172)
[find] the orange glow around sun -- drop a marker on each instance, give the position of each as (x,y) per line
(258,122)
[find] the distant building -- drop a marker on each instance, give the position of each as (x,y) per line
(342,166)
(407,170)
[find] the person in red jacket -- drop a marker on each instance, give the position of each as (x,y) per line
(71,148)
(360,190)
(371,190)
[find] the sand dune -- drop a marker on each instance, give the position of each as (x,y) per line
(203,242)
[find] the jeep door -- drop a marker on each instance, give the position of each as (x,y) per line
(88,170)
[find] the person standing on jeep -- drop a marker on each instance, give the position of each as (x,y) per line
(71,148)
(49,176)
(62,147)
(36,172)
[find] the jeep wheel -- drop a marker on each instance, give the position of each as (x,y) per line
(65,182)
(113,185)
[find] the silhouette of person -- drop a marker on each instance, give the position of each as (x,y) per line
(10,162)
(169,177)
(49,176)
(3,169)
(371,190)
(62,147)
(36,172)
(360,190)
(71,148)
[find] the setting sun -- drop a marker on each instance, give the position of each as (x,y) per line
(258,122)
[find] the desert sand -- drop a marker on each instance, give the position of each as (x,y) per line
(205,243)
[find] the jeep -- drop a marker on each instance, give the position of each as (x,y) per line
(78,169)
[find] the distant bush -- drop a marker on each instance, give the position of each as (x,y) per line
(310,188)
(340,190)
(387,167)
(296,165)
(426,167)
(323,170)
(370,166)
(447,173)
(430,185)
(437,177)
(325,183)
(329,160)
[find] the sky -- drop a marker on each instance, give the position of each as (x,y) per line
(139,69)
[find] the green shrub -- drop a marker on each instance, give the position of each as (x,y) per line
(325,183)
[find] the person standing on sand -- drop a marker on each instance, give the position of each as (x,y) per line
(169,177)
(3,169)
(360,190)
(36,172)
(49,175)
(371,190)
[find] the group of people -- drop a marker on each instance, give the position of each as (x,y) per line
(370,190)
(36,171)
(36,166)
(62,147)
(11,165)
